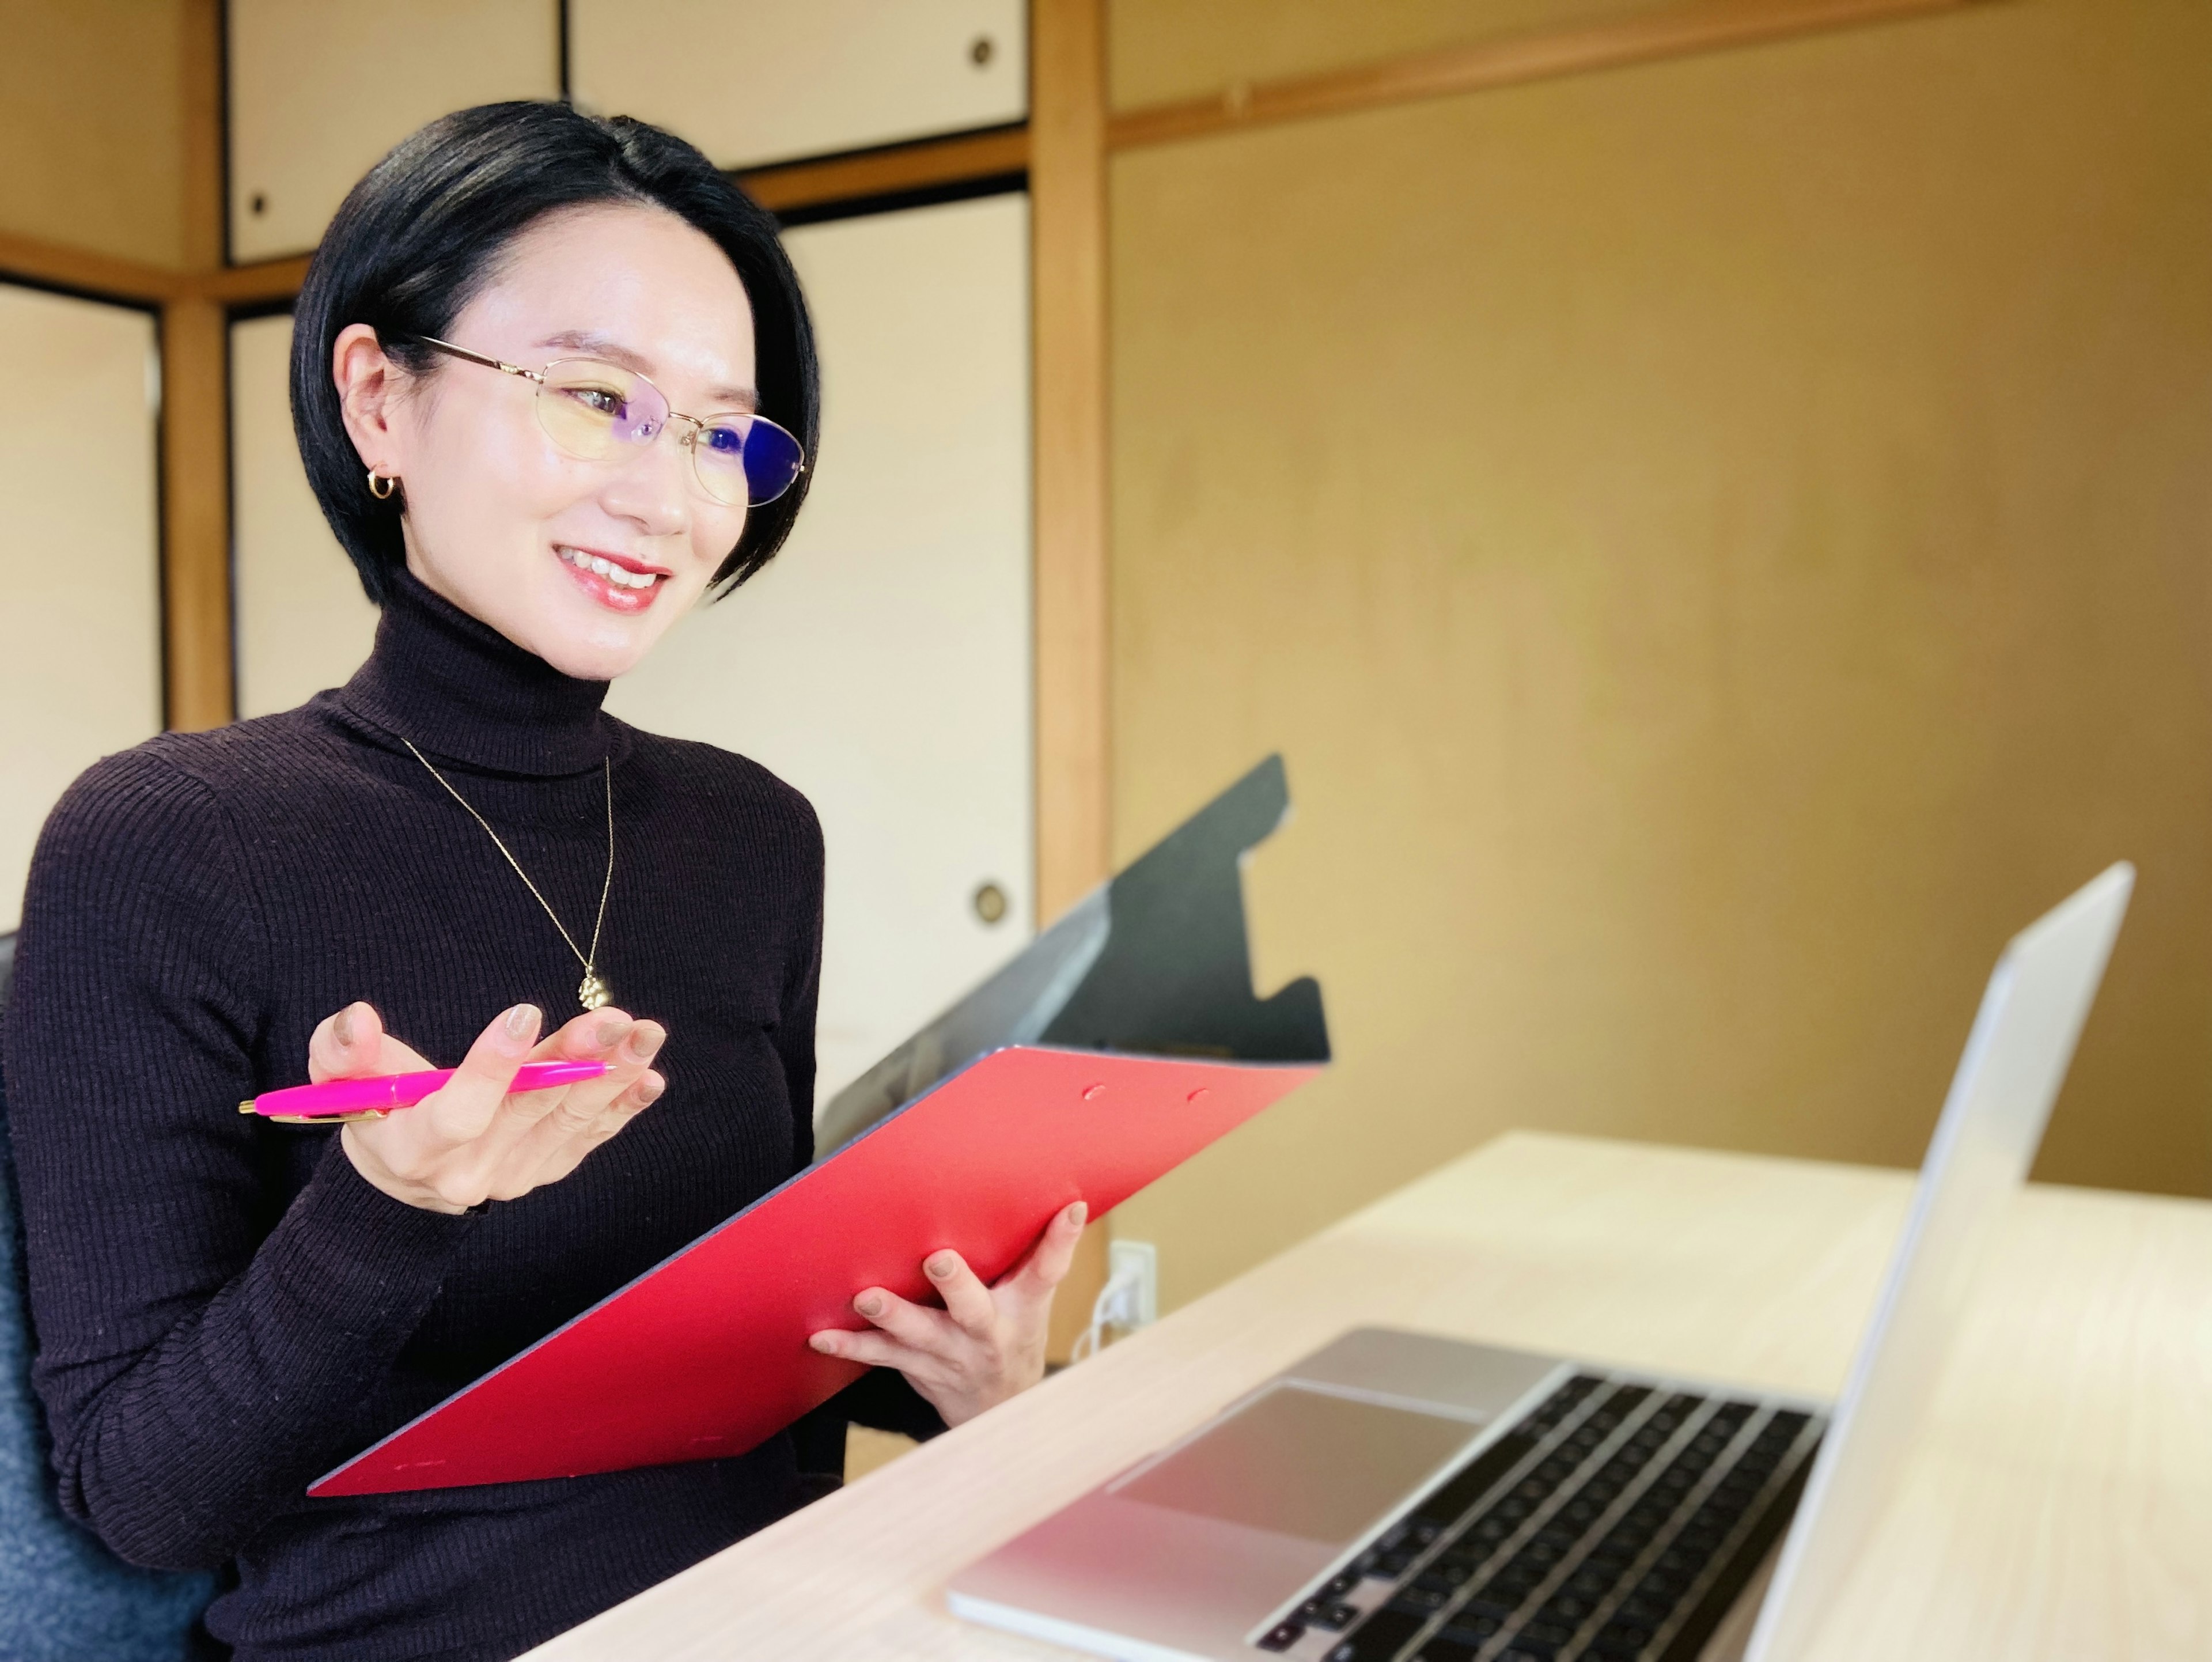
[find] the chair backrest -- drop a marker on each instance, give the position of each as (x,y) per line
(62,1595)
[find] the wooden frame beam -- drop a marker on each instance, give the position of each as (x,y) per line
(249,285)
(51,264)
(195,514)
(1696,25)
(891,171)
(1067,300)
(1067,207)
(195,412)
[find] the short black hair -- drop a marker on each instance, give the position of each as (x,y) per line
(417,237)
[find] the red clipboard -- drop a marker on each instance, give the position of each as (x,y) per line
(706,1356)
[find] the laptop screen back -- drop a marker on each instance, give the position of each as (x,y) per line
(2015,1059)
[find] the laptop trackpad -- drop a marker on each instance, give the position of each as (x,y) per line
(1303,1462)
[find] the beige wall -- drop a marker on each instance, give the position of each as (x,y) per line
(80,630)
(1162,50)
(1720,544)
(92,122)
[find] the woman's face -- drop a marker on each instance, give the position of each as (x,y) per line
(506,525)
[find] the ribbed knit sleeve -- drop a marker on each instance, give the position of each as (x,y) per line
(200,1360)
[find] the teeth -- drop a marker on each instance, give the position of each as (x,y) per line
(605,568)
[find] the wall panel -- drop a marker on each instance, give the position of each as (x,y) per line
(81,631)
(882,663)
(1720,545)
(319,91)
(752,82)
(302,622)
(1164,51)
(93,130)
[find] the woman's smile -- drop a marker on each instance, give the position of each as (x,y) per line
(616,581)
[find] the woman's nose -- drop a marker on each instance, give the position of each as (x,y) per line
(650,486)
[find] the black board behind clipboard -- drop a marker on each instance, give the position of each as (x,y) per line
(1156,961)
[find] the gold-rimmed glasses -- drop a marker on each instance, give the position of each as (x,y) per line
(593,410)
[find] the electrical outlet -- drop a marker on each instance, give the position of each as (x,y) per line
(1136,1265)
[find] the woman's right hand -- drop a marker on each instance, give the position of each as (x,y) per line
(472,1141)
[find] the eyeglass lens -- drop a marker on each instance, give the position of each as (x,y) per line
(591,409)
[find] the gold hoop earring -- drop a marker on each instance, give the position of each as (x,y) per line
(390,482)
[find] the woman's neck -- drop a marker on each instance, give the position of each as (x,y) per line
(462,691)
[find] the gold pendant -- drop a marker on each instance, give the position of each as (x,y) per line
(591,992)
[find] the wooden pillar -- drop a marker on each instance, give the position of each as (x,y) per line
(1067,206)
(1067,185)
(195,413)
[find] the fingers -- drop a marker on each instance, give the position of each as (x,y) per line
(549,1154)
(345,1045)
(592,1037)
(353,1044)
(914,1326)
(966,1300)
(585,1037)
(608,1036)
(1049,1261)
(876,1349)
(553,1130)
(463,1111)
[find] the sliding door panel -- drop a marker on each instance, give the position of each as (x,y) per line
(81,648)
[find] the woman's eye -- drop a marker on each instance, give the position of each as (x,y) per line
(726,440)
(601,400)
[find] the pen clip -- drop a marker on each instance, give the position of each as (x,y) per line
(314,1120)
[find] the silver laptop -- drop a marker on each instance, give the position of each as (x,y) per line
(1397,1496)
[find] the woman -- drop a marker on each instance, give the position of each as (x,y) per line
(457,856)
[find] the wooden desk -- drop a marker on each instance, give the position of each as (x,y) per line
(2060,1505)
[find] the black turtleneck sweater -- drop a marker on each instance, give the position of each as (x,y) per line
(224,1309)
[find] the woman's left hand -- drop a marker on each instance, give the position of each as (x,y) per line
(987,1342)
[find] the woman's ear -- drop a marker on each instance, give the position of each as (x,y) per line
(369,384)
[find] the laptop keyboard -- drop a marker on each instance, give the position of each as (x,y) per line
(1617,1522)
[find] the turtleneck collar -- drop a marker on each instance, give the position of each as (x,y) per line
(464,692)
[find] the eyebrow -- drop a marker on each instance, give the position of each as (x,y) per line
(733,398)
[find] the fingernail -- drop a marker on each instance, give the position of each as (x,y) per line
(342,1025)
(823,1342)
(1078,1213)
(649,1089)
(868,1305)
(941,1266)
(608,1032)
(645,1041)
(522,1021)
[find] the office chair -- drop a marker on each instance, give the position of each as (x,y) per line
(64,1597)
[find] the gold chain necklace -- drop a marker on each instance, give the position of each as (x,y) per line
(591,992)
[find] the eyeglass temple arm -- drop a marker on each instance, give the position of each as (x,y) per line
(464,353)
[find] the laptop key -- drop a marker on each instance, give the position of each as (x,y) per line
(1570,1607)
(1622,1636)
(1469,1627)
(1325,1614)
(1281,1636)
(1477,1478)
(1379,1638)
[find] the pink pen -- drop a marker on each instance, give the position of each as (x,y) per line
(375,1097)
